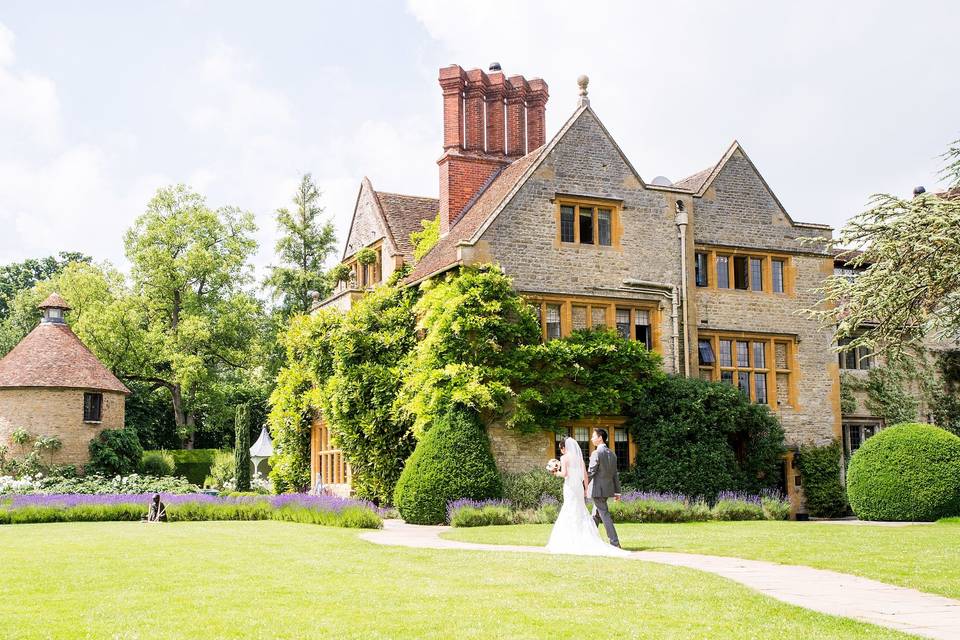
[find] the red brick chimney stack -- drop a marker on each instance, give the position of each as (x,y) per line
(517,116)
(496,92)
(478,139)
(537,114)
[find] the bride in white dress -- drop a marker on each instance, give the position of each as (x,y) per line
(575,532)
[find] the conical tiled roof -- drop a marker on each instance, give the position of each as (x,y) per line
(53,301)
(53,356)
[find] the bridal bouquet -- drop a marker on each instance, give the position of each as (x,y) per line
(553,466)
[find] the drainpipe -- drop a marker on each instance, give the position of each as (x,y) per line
(682,220)
(675,303)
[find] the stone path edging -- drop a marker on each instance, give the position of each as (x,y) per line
(839,594)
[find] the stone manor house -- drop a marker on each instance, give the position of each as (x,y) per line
(707,271)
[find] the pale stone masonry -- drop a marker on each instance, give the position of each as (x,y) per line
(590,242)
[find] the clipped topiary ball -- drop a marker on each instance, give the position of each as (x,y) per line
(908,472)
(451,461)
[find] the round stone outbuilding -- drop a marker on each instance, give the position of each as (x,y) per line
(51,384)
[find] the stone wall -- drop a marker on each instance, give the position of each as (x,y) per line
(516,453)
(586,163)
(56,412)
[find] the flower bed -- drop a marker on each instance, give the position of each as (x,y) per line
(635,507)
(96,484)
(303,508)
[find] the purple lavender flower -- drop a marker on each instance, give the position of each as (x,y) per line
(455,505)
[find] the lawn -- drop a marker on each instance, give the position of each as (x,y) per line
(282,580)
(923,557)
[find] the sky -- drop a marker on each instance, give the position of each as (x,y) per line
(102,103)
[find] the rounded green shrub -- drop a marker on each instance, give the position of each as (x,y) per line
(115,452)
(451,461)
(157,463)
(908,472)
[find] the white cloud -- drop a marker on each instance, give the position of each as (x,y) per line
(832,101)
(29,108)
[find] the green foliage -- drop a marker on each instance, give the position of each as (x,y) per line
(98,484)
(49,445)
(475,326)
(821,468)
(304,245)
(909,290)
(192,464)
(222,469)
(945,399)
(188,323)
(115,452)
(654,510)
(358,401)
(451,461)
(426,238)
(309,342)
(482,516)
(728,510)
(366,256)
(340,273)
(907,472)
(149,412)
(592,372)
(774,508)
(157,463)
(888,398)
(241,450)
(848,399)
(700,438)
(527,490)
(19,276)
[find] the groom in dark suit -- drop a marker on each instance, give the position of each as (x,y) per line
(604,482)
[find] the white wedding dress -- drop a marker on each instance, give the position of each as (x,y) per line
(575,532)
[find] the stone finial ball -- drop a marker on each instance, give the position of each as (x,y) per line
(582,82)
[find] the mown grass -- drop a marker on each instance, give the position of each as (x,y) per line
(924,557)
(283,580)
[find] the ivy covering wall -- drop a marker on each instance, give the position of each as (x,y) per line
(384,373)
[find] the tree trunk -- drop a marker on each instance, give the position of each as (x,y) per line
(183,419)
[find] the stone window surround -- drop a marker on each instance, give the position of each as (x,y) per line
(767,258)
(770,371)
(860,357)
(616,228)
(609,307)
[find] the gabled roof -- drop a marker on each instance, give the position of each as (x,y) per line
(403,215)
(707,177)
(470,225)
(53,356)
(399,214)
(444,254)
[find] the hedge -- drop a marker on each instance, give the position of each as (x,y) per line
(907,472)
(451,461)
(192,464)
(820,470)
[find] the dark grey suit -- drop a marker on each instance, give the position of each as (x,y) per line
(604,484)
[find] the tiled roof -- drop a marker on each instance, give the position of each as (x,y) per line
(694,182)
(53,301)
(403,215)
(53,356)
(444,253)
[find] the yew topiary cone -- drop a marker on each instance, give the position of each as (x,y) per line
(451,461)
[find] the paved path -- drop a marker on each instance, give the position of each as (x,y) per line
(838,594)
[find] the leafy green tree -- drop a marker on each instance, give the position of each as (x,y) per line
(20,276)
(909,289)
(241,449)
(304,245)
(189,322)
